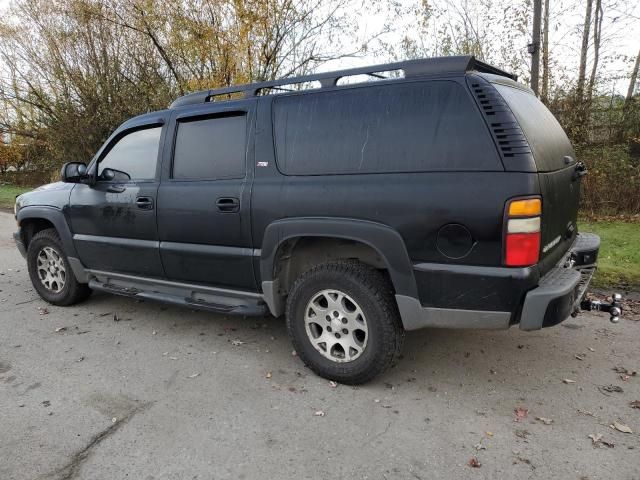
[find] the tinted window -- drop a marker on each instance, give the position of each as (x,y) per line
(409,127)
(544,134)
(135,154)
(212,148)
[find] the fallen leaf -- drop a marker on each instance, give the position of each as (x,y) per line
(595,438)
(268,375)
(489,434)
(625,371)
(546,421)
(319,413)
(567,381)
(611,388)
(61,329)
(586,412)
(333,384)
(635,404)
(194,375)
(237,343)
(621,427)
(521,413)
(474,462)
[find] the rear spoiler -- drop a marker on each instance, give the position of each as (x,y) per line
(479,66)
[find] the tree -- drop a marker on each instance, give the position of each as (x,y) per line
(582,68)
(544,91)
(75,69)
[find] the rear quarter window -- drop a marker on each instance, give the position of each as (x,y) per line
(407,127)
(545,136)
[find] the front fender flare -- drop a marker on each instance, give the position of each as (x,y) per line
(57,218)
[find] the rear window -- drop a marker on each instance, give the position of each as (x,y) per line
(210,148)
(408,127)
(546,137)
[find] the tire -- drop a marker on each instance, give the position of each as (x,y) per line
(50,272)
(374,336)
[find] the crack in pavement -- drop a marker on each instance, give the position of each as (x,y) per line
(71,469)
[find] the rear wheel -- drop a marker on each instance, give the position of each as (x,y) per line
(344,322)
(50,272)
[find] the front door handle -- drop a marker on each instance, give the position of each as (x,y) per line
(144,203)
(228,204)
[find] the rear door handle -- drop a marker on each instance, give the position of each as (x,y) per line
(228,204)
(144,203)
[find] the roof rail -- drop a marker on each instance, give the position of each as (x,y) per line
(411,68)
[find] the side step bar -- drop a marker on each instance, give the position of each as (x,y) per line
(218,300)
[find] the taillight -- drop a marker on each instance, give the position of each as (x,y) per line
(522,232)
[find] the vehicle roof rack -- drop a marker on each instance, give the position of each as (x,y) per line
(411,68)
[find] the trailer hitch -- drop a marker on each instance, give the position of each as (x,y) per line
(614,308)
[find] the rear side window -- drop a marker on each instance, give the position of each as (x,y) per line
(136,154)
(544,134)
(210,148)
(408,127)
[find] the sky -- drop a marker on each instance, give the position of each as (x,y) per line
(620,45)
(621,31)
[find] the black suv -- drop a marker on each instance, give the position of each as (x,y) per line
(442,194)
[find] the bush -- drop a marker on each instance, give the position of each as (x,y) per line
(612,186)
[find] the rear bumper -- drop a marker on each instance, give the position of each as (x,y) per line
(561,290)
(496,297)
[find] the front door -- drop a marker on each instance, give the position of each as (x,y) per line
(114,220)
(204,197)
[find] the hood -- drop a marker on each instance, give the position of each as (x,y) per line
(51,195)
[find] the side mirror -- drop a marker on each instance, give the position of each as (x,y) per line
(73,172)
(113,175)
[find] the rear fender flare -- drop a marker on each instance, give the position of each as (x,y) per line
(385,240)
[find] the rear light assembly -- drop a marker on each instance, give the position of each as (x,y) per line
(522,232)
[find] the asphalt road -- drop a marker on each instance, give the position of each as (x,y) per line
(169,393)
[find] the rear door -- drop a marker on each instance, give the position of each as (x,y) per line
(557,172)
(204,197)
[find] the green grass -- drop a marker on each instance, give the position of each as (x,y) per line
(8,195)
(619,257)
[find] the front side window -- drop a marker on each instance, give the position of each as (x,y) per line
(135,154)
(210,148)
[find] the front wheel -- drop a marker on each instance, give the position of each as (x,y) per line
(344,322)
(50,272)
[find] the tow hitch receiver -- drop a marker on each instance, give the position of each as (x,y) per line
(614,308)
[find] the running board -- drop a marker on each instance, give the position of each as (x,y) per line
(217,300)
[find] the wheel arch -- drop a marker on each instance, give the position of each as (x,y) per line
(33,219)
(320,238)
